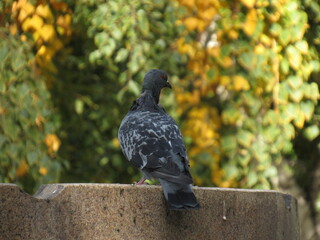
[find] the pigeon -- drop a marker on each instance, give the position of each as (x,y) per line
(151,140)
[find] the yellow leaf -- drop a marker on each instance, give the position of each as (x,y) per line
(240,83)
(13,29)
(208,14)
(248,3)
(33,23)
(22,169)
(259,49)
(225,80)
(26,6)
(43,171)
(214,51)
(226,62)
(15,7)
(274,17)
(233,34)
(115,142)
(22,15)
(45,12)
(64,21)
(53,143)
(187,3)
(39,120)
(23,37)
(191,23)
(265,40)
(47,32)
(36,37)
(251,22)
(299,120)
(201,25)
(42,50)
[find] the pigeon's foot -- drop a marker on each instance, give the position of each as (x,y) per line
(141,181)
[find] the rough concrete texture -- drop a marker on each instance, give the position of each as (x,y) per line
(116,211)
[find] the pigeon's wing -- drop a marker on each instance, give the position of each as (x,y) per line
(153,142)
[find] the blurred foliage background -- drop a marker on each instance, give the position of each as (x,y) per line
(246,90)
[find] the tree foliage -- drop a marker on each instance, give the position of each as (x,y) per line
(113,44)
(252,65)
(32,33)
(27,135)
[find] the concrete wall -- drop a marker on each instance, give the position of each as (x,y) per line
(116,211)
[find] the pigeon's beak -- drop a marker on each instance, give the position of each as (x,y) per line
(168,85)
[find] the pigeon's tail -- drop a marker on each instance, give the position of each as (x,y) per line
(178,196)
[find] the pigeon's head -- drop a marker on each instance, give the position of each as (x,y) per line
(155,80)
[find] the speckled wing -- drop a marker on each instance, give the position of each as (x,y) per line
(152,141)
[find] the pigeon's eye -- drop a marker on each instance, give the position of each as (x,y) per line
(164,77)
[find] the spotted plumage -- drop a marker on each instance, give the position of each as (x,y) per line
(151,140)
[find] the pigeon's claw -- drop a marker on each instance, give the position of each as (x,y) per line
(141,181)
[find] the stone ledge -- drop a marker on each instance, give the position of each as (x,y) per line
(118,211)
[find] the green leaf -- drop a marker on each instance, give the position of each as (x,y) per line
(271,117)
(244,160)
(211,73)
(289,131)
(134,87)
(231,171)
(231,115)
(271,172)
(116,33)
(295,81)
(101,39)
(307,108)
(122,54)
(3,139)
(284,66)
(302,46)
(3,86)
(250,124)
(311,132)
(133,66)
(4,50)
(315,65)
(283,93)
(32,157)
(78,106)
(108,49)
(245,138)
(294,57)
(284,37)
(298,31)
(10,128)
(292,110)
(247,60)
(18,61)
(94,56)
(228,143)
(271,133)
(296,95)
(252,178)
(275,29)
(143,23)
(314,91)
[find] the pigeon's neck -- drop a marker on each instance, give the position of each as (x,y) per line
(155,93)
